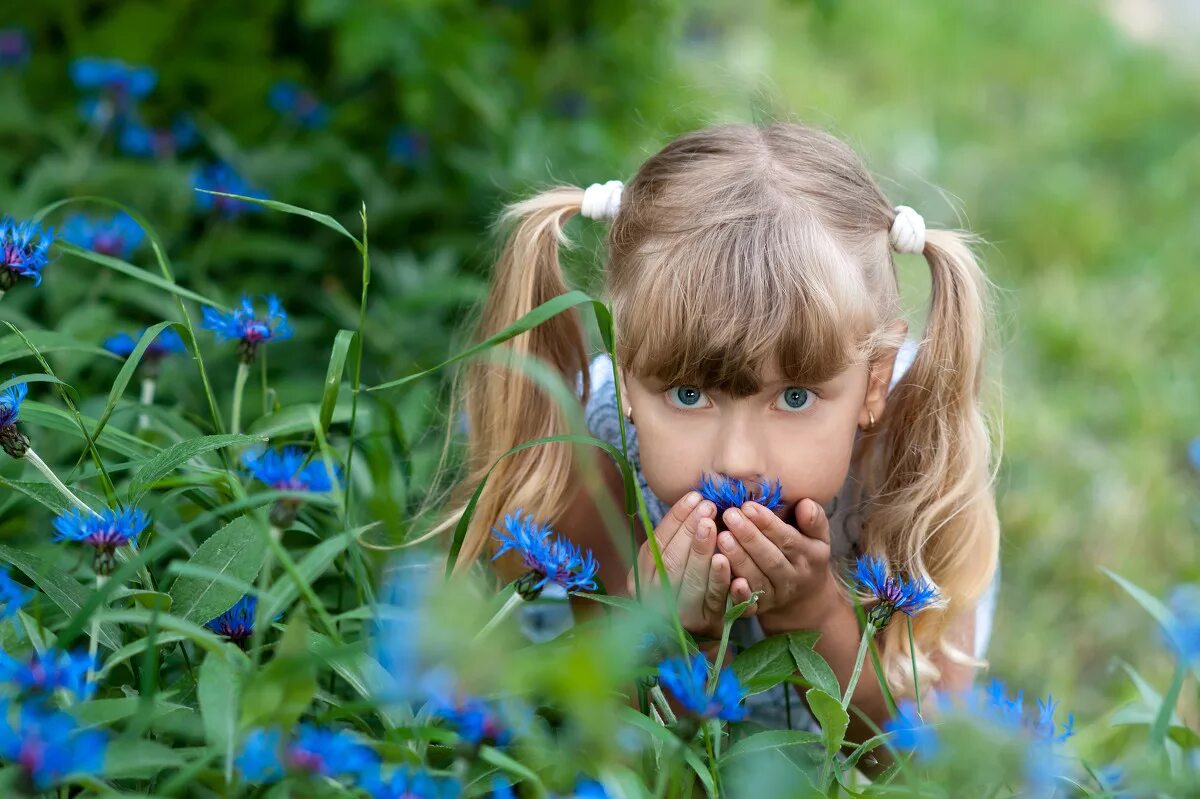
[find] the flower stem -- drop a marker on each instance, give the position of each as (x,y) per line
(94,644)
(50,476)
(261,620)
(239,385)
(660,701)
(501,615)
(1162,721)
(912,651)
(148,386)
(868,631)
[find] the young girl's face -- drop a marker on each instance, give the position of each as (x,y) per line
(802,436)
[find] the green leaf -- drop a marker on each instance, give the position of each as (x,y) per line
(105,712)
(42,415)
(735,612)
(194,632)
(217,691)
(295,419)
(62,590)
(126,758)
(311,566)
(126,373)
(656,730)
(764,665)
(770,740)
(811,665)
(280,692)
(173,457)
(1151,605)
(333,375)
(834,720)
(14,347)
(237,550)
(324,219)
(117,265)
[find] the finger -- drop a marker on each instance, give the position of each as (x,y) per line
(763,552)
(694,586)
(672,542)
(670,524)
(777,531)
(742,565)
(675,555)
(812,521)
(718,584)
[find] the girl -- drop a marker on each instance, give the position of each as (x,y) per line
(758,330)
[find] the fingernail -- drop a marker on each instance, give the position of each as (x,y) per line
(707,508)
(693,499)
(812,517)
(702,533)
(726,542)
(734,516)
(749,510)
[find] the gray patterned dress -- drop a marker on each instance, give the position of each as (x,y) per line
(776,707)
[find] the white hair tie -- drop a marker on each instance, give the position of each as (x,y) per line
(602,200)
(908,231)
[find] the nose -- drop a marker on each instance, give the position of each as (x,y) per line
(739,451)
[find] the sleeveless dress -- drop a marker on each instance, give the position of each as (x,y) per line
(779,707)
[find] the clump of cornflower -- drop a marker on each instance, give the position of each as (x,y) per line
(142,141)
(24,250)
(106,531)
(13,596)
(407,146)
(118,235)
(411,783)
(245,327)
(267,756)
(222,177)
(549,557)
(687,681)
(12,440)
(285,470)
(894,594)
(293,102)
(49,671)
(729,492)
(237,623)
(476,721)
(14,48)
(167,342)
(47,745)
(1183,629)
(116,88)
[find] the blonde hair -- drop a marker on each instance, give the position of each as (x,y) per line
(733,245)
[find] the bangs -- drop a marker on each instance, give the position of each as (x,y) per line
(725,302)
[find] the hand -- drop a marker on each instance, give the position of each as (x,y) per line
(698,576)
(789,565)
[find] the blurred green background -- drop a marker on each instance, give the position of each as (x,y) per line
(1068,144)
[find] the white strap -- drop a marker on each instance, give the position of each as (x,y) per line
(908,231)
(602,200)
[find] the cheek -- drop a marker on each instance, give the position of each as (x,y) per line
(672,463)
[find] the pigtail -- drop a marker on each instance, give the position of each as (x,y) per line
(931,507)
(503,408)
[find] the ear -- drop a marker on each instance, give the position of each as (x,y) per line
(624,390)
(879,379)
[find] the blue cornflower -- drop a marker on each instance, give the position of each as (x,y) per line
(110,529)
(894,594)
(12,440)
(588,788)
(285,470)
(411,783)
(13,595)
(167,342)
(407,146)
(1194,453)
(14,48)
(549,557)
(51,670)
(237,623)
(314,750)
(140,140)
(48,745)
(118,235)
(291,100)
(688,682)
(910,732)
(24,251)
(1183,629)
(113,76)
(242,325)
(729,492)
(223,178)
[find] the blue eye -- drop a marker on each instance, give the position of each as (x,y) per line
(796,398)
(685,396)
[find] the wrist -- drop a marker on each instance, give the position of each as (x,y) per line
(808,613)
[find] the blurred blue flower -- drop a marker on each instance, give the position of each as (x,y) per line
(729,492)
(48,745)
(291,100)
(167,342)
(140,140)
(410,783)
(113,76)
(910,732)
(118,235)
(1183,629)
(407,146)
(1194,453)
(548,556)
(588,788)
(242,325)
(25,249)
(688,682)
(49,671)
(14,48)
(105,532)
(222,177)
(237,623)
(894,593)
(398,625)
(13,595)
(474,720)
(285,470)
(314,750)
(10,403)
